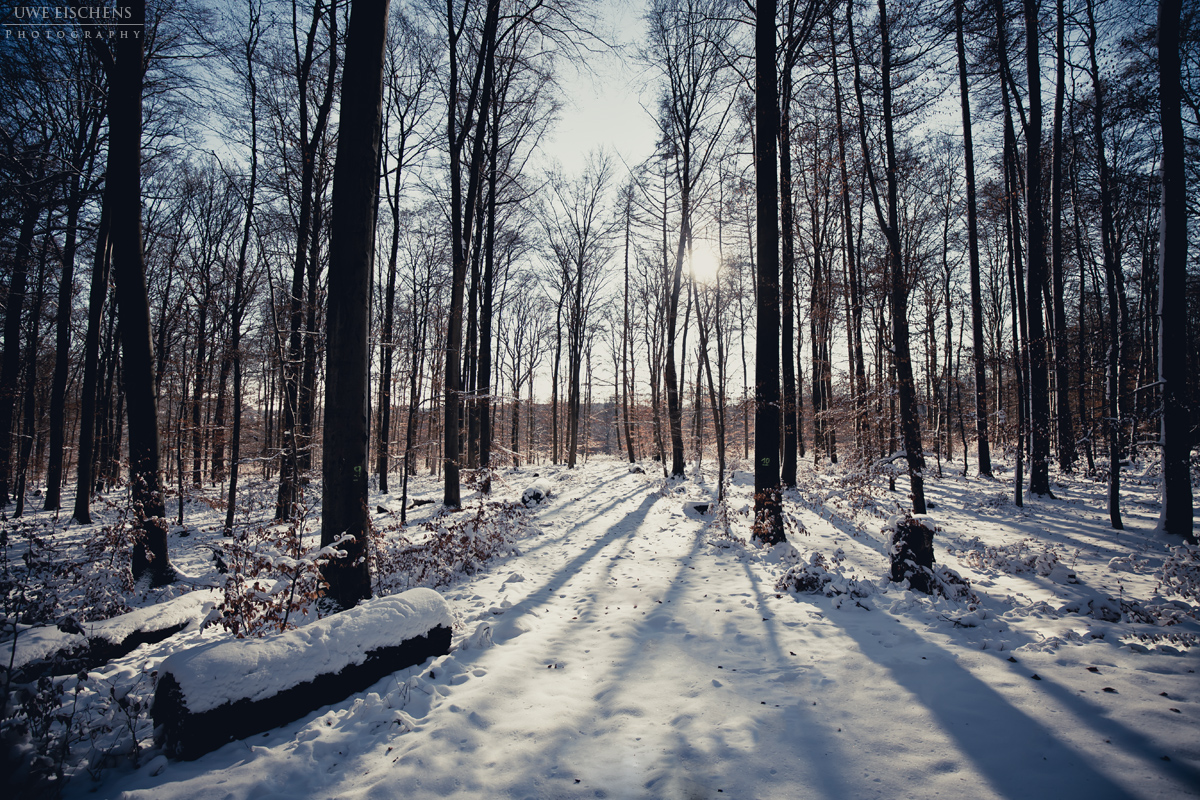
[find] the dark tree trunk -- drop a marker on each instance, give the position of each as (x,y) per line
(386,339)
(62,351)
(768,509)
(674,402)
(853,275)
(29,402)
(84,460)
(129,275)
(484,379)
(1113,283)
(1039,389)
(977,342)
(10,363)
(626,336)
(239,288)
(218,426)
(1066,432)
(352,248)
(787,263)
(308,374)
(289,434)
(1172,291)
(910,424)
(198,390)
(479,101)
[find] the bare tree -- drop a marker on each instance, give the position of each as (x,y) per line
(578,238)
(887,214)
(685,40)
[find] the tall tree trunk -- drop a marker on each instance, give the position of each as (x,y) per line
(979,353)
(1039,389)
(352,248)
(1066,432)
(674,401)
(29,402)
(239,287)
(479,102)
(62,349)
(84,457)
(1113,283)
(626,332)
(198,389)
(290,434)
(10,363)
(858,378)
(386,339)
(308,372)
(129,274)
(484,381)
(1173,338)
(768,500)
(218,421)
(787,263)
(910,424)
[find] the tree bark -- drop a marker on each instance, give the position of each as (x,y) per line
(910,424)
(1177,511)
(768,510)
(1039,390)
(787,262)
(10,362)
(1066,431)
(289,434)
(1113,283)
(983,443)
(126,71)
(84,457)
(478,103)
(352,248)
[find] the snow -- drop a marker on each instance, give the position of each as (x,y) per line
(43,642)
(635,649)
(254,669)
(35,644)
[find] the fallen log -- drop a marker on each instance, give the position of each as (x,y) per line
(73,646)
(215,693)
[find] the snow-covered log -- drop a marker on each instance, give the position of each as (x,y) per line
(72,646)
(212,694)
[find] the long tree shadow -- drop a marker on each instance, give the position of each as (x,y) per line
(1016,753)
(693,755)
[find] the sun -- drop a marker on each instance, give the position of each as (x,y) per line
(705,263)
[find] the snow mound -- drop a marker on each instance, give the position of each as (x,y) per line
(816,575)
(1023,556)
(537,492)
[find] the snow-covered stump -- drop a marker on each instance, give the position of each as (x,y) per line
(216,693)
(537,492)
(910,546)
(911,549)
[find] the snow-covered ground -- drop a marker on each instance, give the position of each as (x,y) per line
(634,648)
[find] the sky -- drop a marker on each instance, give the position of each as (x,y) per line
(604,101)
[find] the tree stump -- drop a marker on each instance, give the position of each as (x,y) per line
(911,550)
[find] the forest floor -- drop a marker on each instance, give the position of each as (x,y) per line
(628,646)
